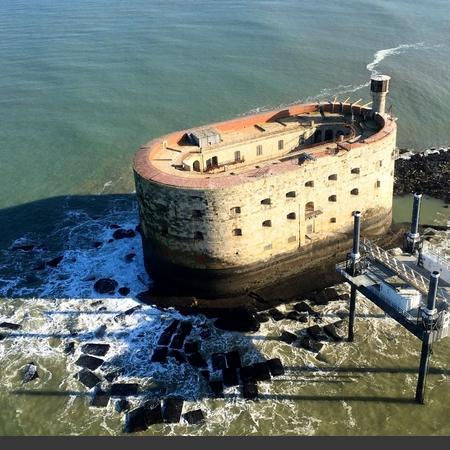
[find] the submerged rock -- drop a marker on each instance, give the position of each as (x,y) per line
(233,359)
(141,418)
(333,332)
(250,391)
(276,367)
(69,348)
(197,360)
(160,354)
(100,398)
(316,333)
(192,346)
(25,248)
(240,319)
(247,374)
(262,372)
(276,314)
(87,378)
(230,377)
(304,307)
(122,405)
(95,349)
(288,337)
(29,372)
(123,291)
(172,408)
(310,344)
(10,326)
(263,317)
(177,355)
(216,388)
(121,233)
(195,417)
(105,286)
(218,361)
(123,389)
(89,362)
(55,261)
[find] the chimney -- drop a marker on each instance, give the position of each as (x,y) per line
(379,86)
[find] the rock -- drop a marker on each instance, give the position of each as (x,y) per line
(122,405)
(196,360)
(216,388)
(105,286)
(250,391)
(2,336)
(233,359)
(160,354)
(341,324)
(262,372)
(95,349)
(132,310)
(114,226)
(195,417)
(138,228)
(55,261)
(325,296)
(9,325)
(177,341)
(97,244)
(185,327)
(345,297)
(247,374)
(29,372)
(111,376)
(276,314)
(276,367)
(123,389)
(230,377)
(89,362)
(192,347)
(218,361)
(262,317)
(172,327)
(304,307)
(342,314)
(205,374)
(24,248)
(100,398)
(288,337)
(69,348)
(239,319)
(123,234)
(100,331)
(165,338)
(123,291)
(141,418)
(303,318)
(310,344)
(205,334)
(180,357)
(88,378)
(130,257)
(333,332)
(293,315)
(172,408)
(110,240)
(316,333)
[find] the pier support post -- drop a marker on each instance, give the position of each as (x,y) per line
(428,317)
(413,236)
(355,259)
(351,317)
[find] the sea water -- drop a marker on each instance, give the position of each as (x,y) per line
(82,84)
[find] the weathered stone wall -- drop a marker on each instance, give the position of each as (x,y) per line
(200,228)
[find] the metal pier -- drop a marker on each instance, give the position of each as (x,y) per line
(416,298)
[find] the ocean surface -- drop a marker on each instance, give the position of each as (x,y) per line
(83,83)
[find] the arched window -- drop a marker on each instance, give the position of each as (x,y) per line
(235,210)
(309,184)
(309,208)
(317,136)
(333,177)
(291,216)
(333,220)
(196,166)
(332,198)
(328,135)
(266,201)
(354,191)
(267,223)
(355,170)
(290,194)
(198,236)
(237,232)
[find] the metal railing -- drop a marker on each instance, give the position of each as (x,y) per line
(405,272)
(225,164)
(441,258)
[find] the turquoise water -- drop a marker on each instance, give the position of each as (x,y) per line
(84,82)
